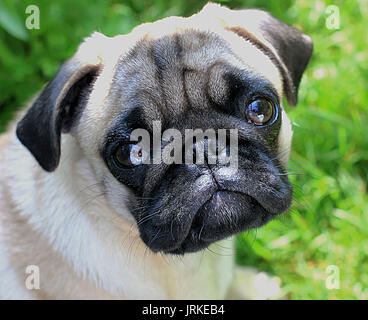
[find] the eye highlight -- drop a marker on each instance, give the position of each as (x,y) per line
(260,111)
(129,155)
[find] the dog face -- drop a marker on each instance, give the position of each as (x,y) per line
(219,69)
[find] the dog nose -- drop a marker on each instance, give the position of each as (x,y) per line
(202,151)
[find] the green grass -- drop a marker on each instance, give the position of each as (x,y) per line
(328,223)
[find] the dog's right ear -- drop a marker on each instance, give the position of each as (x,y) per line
(58,107)
(286,46)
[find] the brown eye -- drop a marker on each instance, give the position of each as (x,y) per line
(129,155)
(259,112)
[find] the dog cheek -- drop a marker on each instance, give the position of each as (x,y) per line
(117,196)
(284,139)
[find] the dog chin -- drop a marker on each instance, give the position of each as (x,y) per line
(226,213)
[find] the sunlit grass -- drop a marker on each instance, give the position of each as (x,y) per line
(328,223)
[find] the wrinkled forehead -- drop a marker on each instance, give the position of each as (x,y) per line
(166,66)
(188,69)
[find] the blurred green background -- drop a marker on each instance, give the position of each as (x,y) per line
(328,223)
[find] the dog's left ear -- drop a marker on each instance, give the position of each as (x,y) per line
(58,107)
(286,46)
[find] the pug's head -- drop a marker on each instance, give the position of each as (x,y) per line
(219,69)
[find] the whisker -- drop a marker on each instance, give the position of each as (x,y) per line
(292,174)
(146,218)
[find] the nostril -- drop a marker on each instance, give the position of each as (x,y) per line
(205,150)
(195,149)
(189,153)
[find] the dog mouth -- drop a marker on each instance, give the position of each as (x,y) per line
(194,206)
(215,221)
(224,214)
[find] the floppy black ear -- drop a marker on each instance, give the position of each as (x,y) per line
(56,110)
(288,48)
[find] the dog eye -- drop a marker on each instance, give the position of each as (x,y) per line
(129,155)
(259,111)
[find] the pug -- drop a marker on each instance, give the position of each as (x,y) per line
(79,219)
